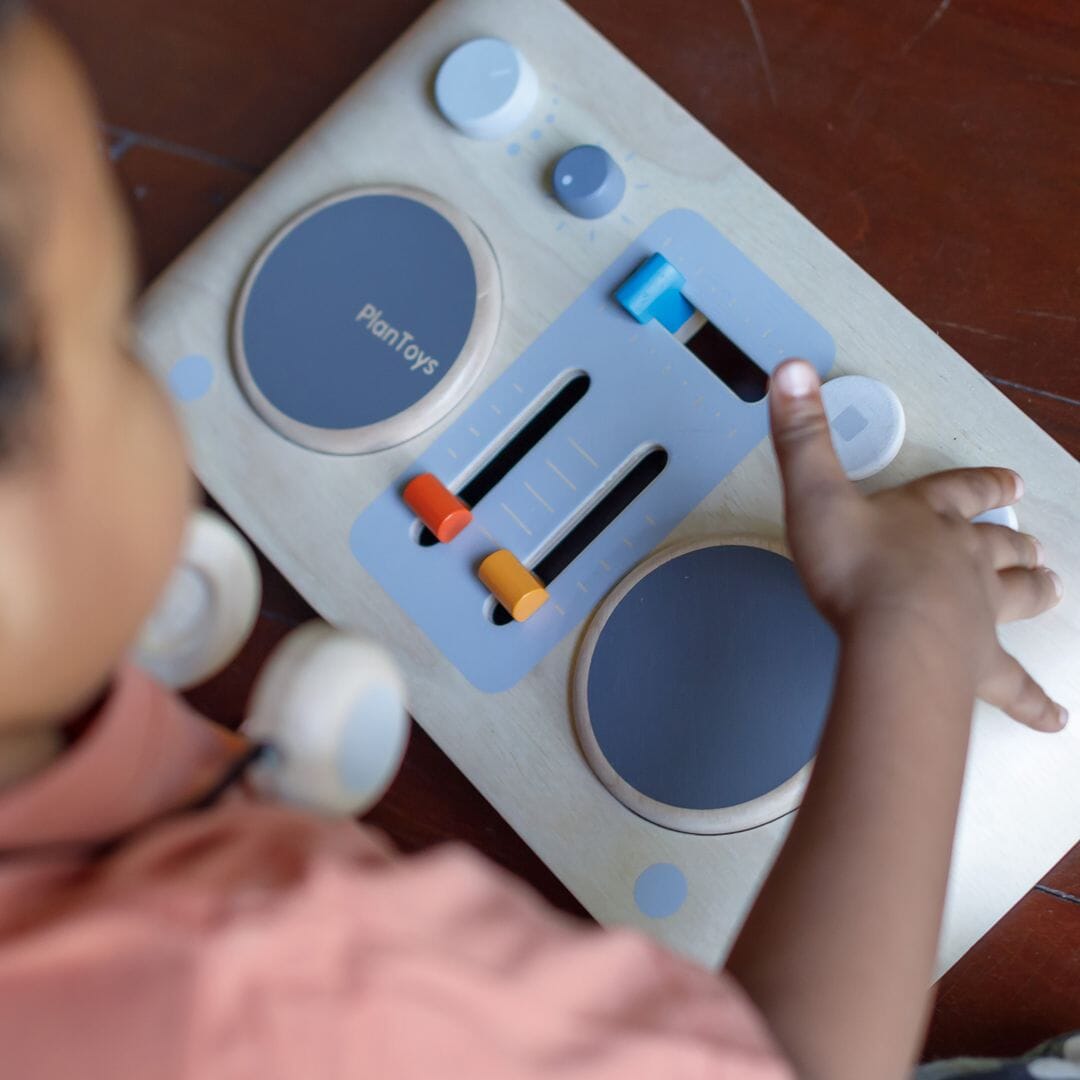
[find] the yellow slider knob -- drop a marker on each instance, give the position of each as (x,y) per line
(518,589)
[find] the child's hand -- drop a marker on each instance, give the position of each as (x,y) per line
(909,556)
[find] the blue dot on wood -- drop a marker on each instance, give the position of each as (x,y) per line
(660,890)
(190,378)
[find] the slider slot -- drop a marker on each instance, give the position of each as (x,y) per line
(592,518)
(526,431)
(724,359)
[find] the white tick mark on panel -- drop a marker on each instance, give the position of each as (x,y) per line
(558,609)
(452,452)
(496,410)
(561,475)
(583,452)
(474,431)
(606,565)
(517,388)
(581,586)
(516,520)
(627,542)
(650,519)
(538,497)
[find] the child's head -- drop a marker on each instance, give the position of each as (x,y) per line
(93,486)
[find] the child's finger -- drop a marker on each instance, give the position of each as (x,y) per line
(970,492)
(1007,548)
(1015,692)
(809,467)
(1027,593)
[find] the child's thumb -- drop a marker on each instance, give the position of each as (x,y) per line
(809,467)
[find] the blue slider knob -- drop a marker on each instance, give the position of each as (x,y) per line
(654,291)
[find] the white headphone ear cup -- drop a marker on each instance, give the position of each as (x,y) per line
(332,707)
(208,608)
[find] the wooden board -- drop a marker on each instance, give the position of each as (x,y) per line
(517,747)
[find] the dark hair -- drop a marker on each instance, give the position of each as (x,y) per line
(19,369)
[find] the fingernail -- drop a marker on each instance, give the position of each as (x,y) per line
(1040,552)
(1062,716)
(1019,486)
(1059,588)
(797,379)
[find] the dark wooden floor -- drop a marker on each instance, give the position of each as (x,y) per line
(933,140)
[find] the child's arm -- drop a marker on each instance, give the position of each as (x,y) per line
(839,948)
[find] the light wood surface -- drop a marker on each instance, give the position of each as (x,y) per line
(1021,806)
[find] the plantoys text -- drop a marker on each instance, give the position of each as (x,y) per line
(401,341)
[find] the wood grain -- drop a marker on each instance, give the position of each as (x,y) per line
(172,197)
(933,147)
(1015,988)
(928,140)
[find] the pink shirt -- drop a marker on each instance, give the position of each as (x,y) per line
(250,940)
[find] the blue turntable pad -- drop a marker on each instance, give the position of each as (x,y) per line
(707,684)
(357,312)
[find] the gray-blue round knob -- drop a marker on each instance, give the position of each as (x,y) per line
(588,182)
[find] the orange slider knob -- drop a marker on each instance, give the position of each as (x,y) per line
(436,506)
(517,588)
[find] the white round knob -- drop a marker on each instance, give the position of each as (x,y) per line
(208,608)
(1002,515)
(486,88)
(332,708)
(867,422)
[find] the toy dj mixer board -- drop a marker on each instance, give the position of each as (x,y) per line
(498,270)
